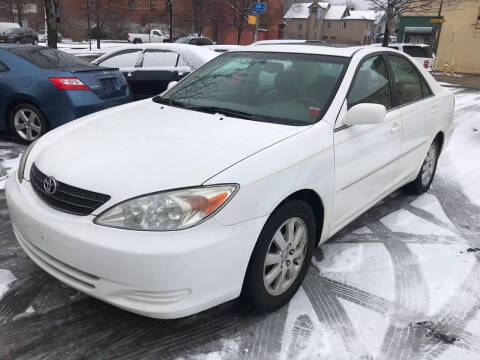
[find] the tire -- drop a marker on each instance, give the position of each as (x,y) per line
(257,293)
(137,41)
(27,122)
(427,173)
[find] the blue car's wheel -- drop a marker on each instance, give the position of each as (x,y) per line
(27,122)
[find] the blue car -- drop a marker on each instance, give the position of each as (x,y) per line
(42,88)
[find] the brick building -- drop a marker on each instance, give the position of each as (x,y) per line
(213,18)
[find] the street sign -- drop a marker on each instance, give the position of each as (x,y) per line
(259,6)
(252,19)
(255,12)
(438,21)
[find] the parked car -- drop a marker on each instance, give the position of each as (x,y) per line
(42,36)
(8,25)
(290,42)
(195,40)
(42,88)
(423,53)
(223,48)
(149,68)
(19,36)
(155,36)
(224,185)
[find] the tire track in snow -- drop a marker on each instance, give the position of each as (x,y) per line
(401,340)
(264,338)
(452,318)
(406,238)
(333,316)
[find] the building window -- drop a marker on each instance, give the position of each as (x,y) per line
(332,37)
(325,37)
(344,24)
(299,25)
(477,25)
(131,4)
(329,24)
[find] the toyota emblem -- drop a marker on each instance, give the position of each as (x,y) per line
(50,185)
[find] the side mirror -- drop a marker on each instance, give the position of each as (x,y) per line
(171,84)
(365,114)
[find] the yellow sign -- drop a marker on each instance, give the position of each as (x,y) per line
(252,19)
(438,21)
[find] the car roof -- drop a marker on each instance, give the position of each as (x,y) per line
(346,51)
(402,44)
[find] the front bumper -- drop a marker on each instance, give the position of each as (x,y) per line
(157,274)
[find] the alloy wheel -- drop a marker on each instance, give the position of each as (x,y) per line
(285,256)
(27,124)
(428,167)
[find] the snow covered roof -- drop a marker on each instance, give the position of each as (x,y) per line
(336,12)
(302,10)
(362,15)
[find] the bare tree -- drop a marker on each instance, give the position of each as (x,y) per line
(394,8)
(51,18)
(102,12)
(6,7)
(15,9)
(238,12)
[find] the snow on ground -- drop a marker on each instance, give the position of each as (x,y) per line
(82,49)
(9,159)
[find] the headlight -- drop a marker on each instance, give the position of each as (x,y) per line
(23,161)
(168,211)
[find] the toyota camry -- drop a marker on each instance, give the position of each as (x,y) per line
(224,184)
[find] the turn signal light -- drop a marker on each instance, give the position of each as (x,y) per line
(63,83)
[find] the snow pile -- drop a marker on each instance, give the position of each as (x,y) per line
(7,167)
(6,278)
(229,350)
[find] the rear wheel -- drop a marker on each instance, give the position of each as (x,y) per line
(281,257)
(137,41)
(425,177)
(27,122)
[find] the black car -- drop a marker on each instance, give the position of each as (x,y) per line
(19,36)
(193,40)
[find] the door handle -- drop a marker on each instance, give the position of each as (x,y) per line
(434,111)
(396,127)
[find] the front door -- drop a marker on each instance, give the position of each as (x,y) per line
(366,155)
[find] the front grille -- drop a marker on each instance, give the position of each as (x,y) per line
(67,198)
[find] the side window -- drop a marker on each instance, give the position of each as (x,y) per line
(407,80)
(155,58)
(425,88)
(127,58)
(371,84)
(3,67)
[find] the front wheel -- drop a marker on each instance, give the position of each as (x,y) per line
(425,177)
(281,257)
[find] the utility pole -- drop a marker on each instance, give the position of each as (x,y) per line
(88,24)
(256,28)
(170,17)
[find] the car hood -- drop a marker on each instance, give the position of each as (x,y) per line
(146,147)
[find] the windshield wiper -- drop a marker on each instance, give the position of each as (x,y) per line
(159,100)
(224,111)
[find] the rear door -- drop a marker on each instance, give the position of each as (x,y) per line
(419,112)
(157,69)
(366,155)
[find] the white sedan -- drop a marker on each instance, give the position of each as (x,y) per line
(223,186)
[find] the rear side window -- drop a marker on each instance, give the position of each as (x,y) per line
(425,88)
(47,58)
(126,58)
(154,58)
(371,84)
(407,80)
(419,51)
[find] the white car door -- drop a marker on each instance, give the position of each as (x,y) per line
(366,155)
(419,113)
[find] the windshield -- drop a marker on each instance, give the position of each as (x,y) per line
(285,88)
(419,51)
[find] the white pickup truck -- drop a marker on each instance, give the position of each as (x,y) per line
(155,36)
